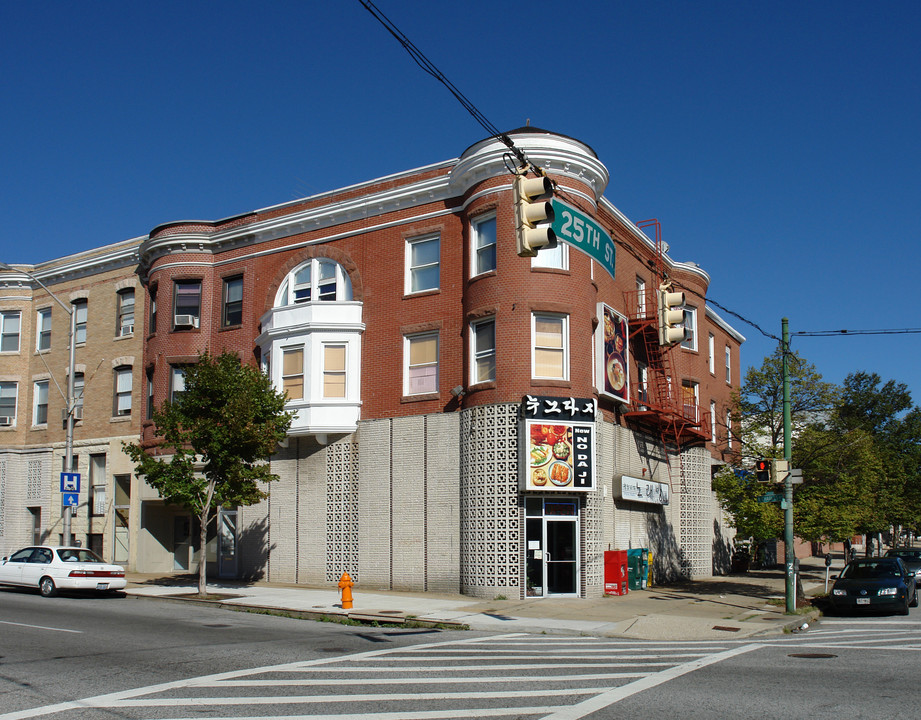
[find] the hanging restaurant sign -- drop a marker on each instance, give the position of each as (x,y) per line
(641,490)
(613,354)
(557,444)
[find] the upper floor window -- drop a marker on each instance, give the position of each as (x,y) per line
(423,262)
(640,297)
(711,352)
(176,382)
(317,280)
(333,371)
(642,383)
(232,305)
(556,258)
(40,403)
(689,399)
(81,315)
(292,372)
(9,330)
(43,330)
(124,322)
(123,385)
(550,337)
(690,327)
(8,392)
(79,386)
(484,244)
(729,429)
(187,304)
(483,350)
(713,421)
(152,320)
(150,393)
(420,364)
(728,364)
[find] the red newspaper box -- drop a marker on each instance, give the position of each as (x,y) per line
(615,572)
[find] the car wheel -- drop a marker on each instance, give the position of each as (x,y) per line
(904,610)
(914,600)
(47,587)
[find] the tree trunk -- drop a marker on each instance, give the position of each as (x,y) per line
(203,553)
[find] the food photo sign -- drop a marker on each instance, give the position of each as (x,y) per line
(614,352)
(558,444)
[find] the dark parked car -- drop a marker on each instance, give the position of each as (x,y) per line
(911,556)
(875,584)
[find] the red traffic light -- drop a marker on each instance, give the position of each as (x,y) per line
(763,470)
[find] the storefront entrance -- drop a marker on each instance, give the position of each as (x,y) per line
(552,541)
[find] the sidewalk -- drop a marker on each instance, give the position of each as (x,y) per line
(732,606)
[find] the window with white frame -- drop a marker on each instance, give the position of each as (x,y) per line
(334,368)
(483,350)
(81,316)
(640,297)
(423,264)
(550,342)
(421,363)
(555,258)
(292,372)
(690,326)
(729,429)
(40,403)
(124,322)
(43,330)
(150,393)
(8,394)
(232,305)
(689,399)
(186,304)
(728,364)
(79,385)
(711,353)
(123,384)
(316,280)
(152,319)
(483,233)
(713,421)
(9,330)
(642,384)
(176,382)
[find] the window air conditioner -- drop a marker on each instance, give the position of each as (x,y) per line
(127,329)
(124,411)
(5,421)
(78,412)
(185,321)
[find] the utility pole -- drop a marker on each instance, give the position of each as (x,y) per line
(789,556)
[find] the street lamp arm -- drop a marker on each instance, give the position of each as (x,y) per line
(69,309)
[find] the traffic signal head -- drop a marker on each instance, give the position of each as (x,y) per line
(671,316)
(532,206)
(763,470)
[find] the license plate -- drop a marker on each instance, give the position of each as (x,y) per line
(863,601)
(105,586)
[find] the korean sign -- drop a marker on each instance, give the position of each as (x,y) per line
(613,354)
(641,490)
(558,444)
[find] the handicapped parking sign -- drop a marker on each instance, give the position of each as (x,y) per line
(71,499)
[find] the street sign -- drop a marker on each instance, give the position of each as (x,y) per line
(576,228)
(70,482)
(770,497)
(71,499)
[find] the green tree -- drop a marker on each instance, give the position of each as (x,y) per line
(738,492)
(215,440)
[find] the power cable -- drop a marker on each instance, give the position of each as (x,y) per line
(429,67)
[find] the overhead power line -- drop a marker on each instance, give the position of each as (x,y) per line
(838,333)
(429,67)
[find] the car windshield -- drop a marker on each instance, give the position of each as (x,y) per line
(79,555)
(907,554)
(865,570)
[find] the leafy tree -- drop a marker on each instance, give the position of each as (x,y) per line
(221,431)
(759,402)
(738,493)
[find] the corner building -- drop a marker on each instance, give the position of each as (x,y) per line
(466,419)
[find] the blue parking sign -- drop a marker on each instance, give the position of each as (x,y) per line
(71,499)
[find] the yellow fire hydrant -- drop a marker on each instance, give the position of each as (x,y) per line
(345,585)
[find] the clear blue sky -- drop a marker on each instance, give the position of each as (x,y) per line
(777,143)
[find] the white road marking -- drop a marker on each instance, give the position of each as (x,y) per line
(40,627)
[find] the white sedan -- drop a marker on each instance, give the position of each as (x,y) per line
(50,569)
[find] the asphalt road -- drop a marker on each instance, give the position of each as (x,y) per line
(133,658)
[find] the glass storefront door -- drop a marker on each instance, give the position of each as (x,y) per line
(552,536)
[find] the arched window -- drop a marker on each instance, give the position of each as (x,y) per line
(317,280)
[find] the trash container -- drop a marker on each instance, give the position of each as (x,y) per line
(637,568)
(615,572)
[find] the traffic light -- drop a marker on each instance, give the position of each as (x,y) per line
(763,470)
(532,206)
(671,316)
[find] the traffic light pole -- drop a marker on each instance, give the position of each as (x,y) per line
(789,556)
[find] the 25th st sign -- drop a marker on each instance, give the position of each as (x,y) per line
(575,228)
